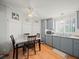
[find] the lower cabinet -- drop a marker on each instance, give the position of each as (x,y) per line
(49,40)
(63,44)
(57,42)
(43,38)
(66,45)
(76,48)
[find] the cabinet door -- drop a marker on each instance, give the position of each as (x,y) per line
(49,24)
(76,48)
(78,19)
(49,40)
(66,45)
(57,42)
(43,30)
(43,27)
(43,38)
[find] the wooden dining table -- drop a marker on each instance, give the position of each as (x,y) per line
(24,42)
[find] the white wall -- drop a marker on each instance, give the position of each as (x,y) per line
(10,26)
(2,27)
(36,27)
(31,26)
(14,26)
(27,27)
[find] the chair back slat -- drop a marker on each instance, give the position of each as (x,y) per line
(38,35)
(26,35)
(32,37)
(13,41)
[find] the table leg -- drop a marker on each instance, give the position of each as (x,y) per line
(27,53)
(16,51)
(34,49)
(39,45)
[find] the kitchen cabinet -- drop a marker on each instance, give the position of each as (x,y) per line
(43,38)
(78,19)
(49,24)
(49,40)
(57,42)
(43,30)
(66,45)
(76,48)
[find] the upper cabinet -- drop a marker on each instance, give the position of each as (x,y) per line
(49,24)
(77,19)
(42,27)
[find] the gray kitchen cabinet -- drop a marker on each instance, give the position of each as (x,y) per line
(57,42)
(49,40)
(43,38)
(50,24)
(43,30)
(76,48)
(78,19)
(66,45)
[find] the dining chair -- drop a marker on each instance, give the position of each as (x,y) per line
(38,35)
(15,47)
(26,35)
(30,44)
(38,40)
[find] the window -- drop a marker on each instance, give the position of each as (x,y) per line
(66,24)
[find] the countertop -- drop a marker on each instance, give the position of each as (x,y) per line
(65,35)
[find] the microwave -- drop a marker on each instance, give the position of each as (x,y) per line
(48,32)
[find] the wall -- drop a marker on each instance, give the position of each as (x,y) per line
(31,26)
(10,26)
(2,27)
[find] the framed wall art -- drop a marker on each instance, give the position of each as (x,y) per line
(15,16)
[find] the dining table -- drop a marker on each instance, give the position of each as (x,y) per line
(24,41)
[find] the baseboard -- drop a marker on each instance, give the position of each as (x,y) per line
(64,55)
(3,56)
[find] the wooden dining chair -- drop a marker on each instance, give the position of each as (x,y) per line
(26,33)
(14,46)
(30,44)
(38,35)
(38,40)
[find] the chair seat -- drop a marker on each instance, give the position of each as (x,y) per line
(36,41)
(20,45)
(30,44)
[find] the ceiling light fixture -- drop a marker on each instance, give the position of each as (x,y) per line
(30,12)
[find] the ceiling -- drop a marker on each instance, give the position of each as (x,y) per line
(16,3)
(47,8)
(54,8)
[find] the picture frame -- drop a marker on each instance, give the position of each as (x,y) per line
(15,16)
